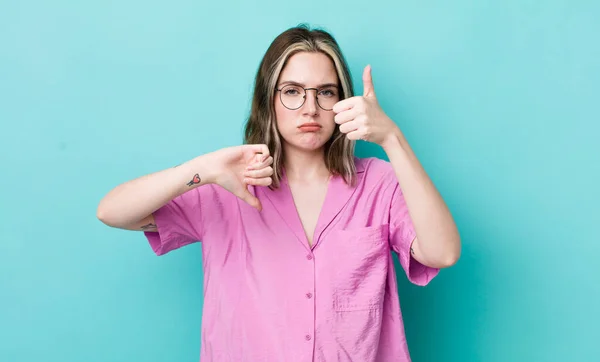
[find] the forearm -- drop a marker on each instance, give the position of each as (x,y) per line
(132,201)
(438,240)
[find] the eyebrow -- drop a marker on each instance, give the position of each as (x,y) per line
(304,85)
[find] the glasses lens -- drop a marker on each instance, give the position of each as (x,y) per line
(292,96)
(328,97)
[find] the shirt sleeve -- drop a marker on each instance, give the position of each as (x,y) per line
(179,222)
(402,233)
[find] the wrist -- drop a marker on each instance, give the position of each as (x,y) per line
(397,147)
(393,140)
(203,167)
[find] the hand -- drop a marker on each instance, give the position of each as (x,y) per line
(239,166)
(361,117)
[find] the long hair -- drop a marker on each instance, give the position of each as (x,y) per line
(261,125)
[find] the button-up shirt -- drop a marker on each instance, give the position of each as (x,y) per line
(270,296)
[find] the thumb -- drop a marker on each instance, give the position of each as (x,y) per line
(250,199)
(368,89)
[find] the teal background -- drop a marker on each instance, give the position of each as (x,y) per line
(498,99)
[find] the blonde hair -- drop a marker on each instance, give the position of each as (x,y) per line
(261,126)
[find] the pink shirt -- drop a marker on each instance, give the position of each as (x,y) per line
(268,296)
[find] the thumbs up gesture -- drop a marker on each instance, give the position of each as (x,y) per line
(361,117)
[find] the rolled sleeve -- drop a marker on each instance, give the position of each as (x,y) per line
(179,222)
(402,234)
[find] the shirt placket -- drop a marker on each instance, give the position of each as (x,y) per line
(308,296)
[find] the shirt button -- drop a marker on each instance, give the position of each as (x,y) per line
(309,257)
(308,295)
(307,337)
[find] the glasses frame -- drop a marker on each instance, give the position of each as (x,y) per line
(279,90)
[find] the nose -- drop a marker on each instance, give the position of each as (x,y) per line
(310,104)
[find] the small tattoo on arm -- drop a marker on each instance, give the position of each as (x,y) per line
(412,251)
(196,180)
(150,226)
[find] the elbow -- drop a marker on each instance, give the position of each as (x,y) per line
(101,215)
(443,254)
(448,258)
(104,215)
(452,256)
(445,261)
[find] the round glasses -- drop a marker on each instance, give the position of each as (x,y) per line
(293,96)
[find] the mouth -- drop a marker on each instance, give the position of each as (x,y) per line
(310,127)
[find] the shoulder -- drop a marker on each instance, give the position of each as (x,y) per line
(377,181)
(375,169)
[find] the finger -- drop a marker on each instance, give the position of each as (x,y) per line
(260,148)
(368,89)
(263,172)
(255,162)
(355,135)
(345,116)
(263,181)
(264,149)
(256,159)
(344,104)
(349,127)
(259,164)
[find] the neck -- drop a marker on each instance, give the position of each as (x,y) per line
(305,166)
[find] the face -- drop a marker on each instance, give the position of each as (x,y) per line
(308,127)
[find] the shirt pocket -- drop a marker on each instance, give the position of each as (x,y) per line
(360,268)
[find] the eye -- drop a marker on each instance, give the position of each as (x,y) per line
(328,92)
(291,91)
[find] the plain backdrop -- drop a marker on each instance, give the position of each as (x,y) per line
(499,100)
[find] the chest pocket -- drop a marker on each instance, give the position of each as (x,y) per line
(360,267)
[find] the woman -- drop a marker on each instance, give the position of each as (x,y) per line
(296,231)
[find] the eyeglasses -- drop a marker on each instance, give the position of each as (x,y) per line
(293,96)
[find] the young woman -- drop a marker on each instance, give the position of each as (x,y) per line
(296,231)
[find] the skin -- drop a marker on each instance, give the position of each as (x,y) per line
(304,148)
(361,117)
(438,242)
(130,205)
(309,70)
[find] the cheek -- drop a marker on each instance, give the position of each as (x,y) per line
(285,120)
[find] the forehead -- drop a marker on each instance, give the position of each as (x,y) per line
(309,69)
